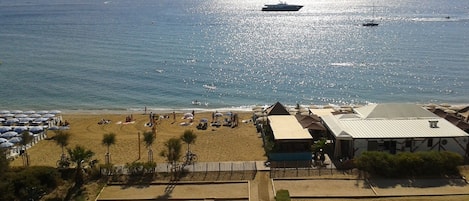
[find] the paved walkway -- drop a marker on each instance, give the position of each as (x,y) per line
(178,191)
(356,188)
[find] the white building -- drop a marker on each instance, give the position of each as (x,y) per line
(393,128)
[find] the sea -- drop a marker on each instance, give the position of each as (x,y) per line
(128,55)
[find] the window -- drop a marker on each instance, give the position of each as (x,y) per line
(408,143)
(430,142)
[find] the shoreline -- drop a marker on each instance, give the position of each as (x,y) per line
(199,109)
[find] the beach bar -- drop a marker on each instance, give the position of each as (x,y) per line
(293,142)
(393,128)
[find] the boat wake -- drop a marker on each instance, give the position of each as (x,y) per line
(210,87)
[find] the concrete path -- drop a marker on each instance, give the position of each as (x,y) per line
(178,191)
(356,188)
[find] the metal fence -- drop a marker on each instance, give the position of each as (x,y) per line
(201,171)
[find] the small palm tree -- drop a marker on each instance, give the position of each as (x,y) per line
(26,139)
(189,138)
(62,138)
(149,139)
(79,155)
(108,140)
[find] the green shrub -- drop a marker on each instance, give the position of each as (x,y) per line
(106,169)
(282,195)
(320,144)
(408,164)
(149,167)
(29,183)
(431,163)
(135,168)
(375,162)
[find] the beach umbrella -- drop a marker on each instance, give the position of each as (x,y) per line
(6,145)
(303,109)
(42,112)
(4,111)
(16,111)
(15,140)
(9,134)
(204,120)
(20,129)
(8,115)
(40,120)
(25,120)
(431,105)
(55,111)
(456,107)
(4,129)
(12,121)
(49,115)
(445,105)
(36,129)
(261,119)
(304,113)
(2,140)
(29,112)
(188,116)
(218,114)
(450,111)
(35,115)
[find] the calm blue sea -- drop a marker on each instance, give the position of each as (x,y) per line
(131,54)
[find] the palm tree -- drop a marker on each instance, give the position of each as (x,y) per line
(149,138)
(189,138)
(108,140)
(26,139)
(79,155)
(62,138)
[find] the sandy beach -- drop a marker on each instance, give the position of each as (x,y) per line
(241,143)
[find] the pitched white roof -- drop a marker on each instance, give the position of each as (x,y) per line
(390,121)
(287,127)
(393,111)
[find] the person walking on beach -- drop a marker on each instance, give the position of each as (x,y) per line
(174,117)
